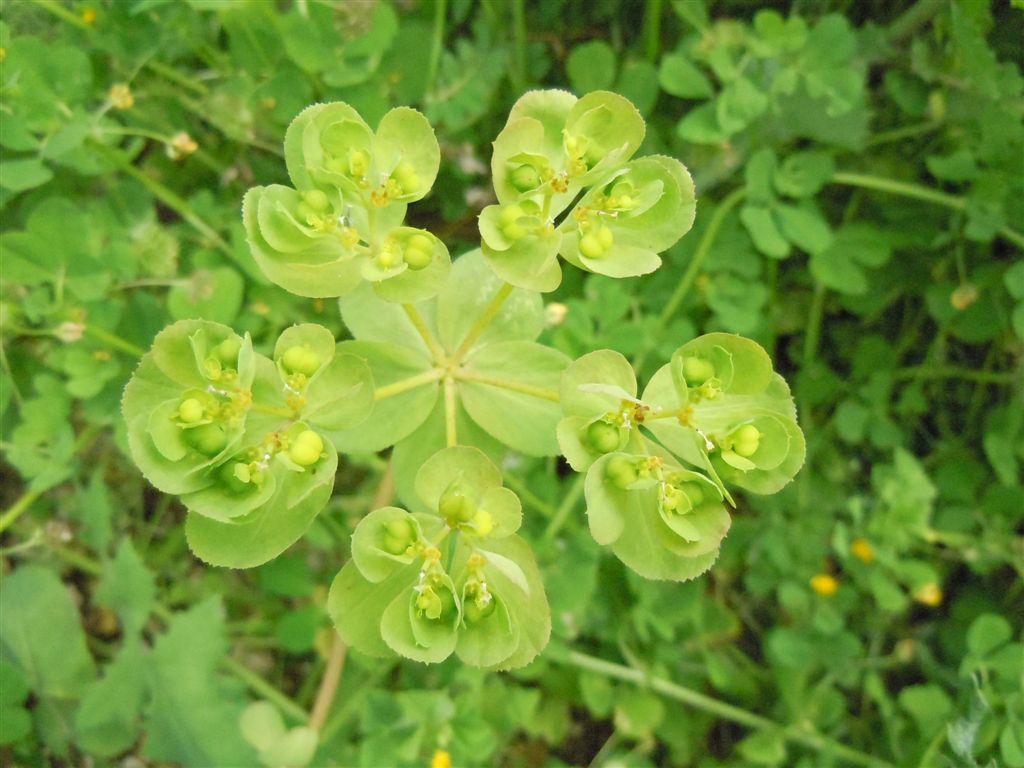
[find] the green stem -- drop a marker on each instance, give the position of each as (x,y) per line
(436,350)
(397,388)
(63,13)
(102,334)
(461,374)
(166,196)
(693,269)
(436,42)
(913,18)
(264,689)
(804,736)
(652,29)
(519,32)
(903,132)
(950,372)
(564,509)
(917,192)
(482,323)
(170,73)
(450,429)
(814,318)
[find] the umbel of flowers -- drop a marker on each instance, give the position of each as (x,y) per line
(445,369)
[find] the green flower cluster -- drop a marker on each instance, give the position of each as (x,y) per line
(717,413)
(341,223)
(451,579)
(240,436)
(566,186)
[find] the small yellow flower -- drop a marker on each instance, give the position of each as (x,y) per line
(929,594)
(824,584)
(88,15)
(441,760)
(862,550)
(120,96)
(963,296)
(181,146)
(3,53)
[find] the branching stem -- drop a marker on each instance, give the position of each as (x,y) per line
(435,348)
(482,323)
(804,735)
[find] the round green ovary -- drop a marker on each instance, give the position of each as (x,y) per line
(455,506)
(301,359)
(508,222)
(524,178)
(358,163)
(602,437)
(190,411)
(746,440)
(407,178)
(697,370)
(419,252)
(316,200)
(621,472)
(596,242)
(227,352)
(207,439)
(306,448)
(398,535)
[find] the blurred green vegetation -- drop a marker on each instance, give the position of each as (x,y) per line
(860,213)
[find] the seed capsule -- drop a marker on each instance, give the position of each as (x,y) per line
(398,535)
(477,610)
(316,200)
(509,222)
(524,178)
(419,252)
(590,246)
(622,472)
(306,448)
(455,505)
(358,163)
(694,491)
(190,411)
(407,178)
(746,440)
(697,370)
(227,352)
(602,437)
(207,439)
(301,359)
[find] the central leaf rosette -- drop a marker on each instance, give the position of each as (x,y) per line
(718,414)
(453,579)
(342,222)
(566,186)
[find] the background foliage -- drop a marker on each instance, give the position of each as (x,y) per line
(859,173)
